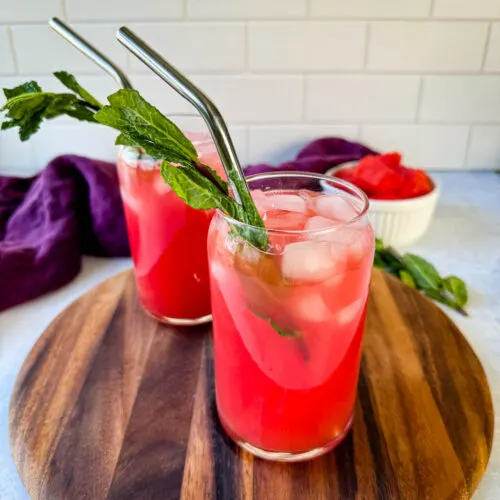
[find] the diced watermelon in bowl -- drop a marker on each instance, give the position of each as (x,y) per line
(402,199)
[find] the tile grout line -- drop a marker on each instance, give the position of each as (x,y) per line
(468,143)
(368,37)
(430,14)
(10,38)
(305,87)
(208,20)
(246,46)
(486,47)
(64,10)
(420,93)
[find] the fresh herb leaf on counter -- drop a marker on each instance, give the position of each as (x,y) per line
(420,274)
(27,105)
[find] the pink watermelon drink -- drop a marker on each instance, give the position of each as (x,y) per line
(288,323)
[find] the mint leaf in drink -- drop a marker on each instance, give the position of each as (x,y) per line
(141,123)
(282,331)
(197,190)
(423,272)
(213,176)
(457,289)
(70,82)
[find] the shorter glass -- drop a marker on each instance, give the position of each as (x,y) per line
(167,237)
(288,322)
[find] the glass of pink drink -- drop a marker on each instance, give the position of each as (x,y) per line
(288,322)
(167,237)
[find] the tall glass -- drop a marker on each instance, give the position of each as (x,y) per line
(167,237)
(288,322)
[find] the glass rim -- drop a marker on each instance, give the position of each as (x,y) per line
(349,188)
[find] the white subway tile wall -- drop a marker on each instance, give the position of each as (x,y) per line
(418,76)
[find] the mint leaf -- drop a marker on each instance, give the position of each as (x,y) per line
(123,140)
(423,272)
(379,245)
(27,106)
(142,124)
(282,331)
(213,176)
(197,190)
(457,288)
(26,88)
(80,112)
(70,82)
(407,279)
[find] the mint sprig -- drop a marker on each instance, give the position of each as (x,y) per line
(141,124)
(28,105)
(420,274)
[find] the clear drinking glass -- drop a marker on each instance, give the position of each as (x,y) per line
(288,322)
(167,237)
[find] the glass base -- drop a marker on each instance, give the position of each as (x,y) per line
(279,456)
(180,321)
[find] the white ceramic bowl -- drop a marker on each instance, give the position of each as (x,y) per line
(399,222)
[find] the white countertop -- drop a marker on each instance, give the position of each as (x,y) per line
(464,239)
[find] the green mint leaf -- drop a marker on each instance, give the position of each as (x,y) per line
(197,190)
(378,261)
(438,297)
(213,176)
(406,278)
(379,245)
(282,331)
(80,112)
(123,140)
(9,124)
(70,82)
(457,288)
(423,272)
(26,88)
(129,113)
(27,106)
(445,298)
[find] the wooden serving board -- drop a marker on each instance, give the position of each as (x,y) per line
(111,404)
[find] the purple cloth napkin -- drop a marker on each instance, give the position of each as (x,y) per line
(318,156)
(47,222)
(73,207)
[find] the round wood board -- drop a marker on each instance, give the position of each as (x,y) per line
(111,404)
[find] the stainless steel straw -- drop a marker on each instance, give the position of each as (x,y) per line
(90,51)
(194,95)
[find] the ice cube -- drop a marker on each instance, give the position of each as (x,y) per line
(348,240)
(311,261)
(161,186)
(290,202)
(311,307)
(284,220)
(261,200)
(349,313)
(335,207)
(317,223)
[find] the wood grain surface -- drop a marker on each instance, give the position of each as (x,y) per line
(111,404)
